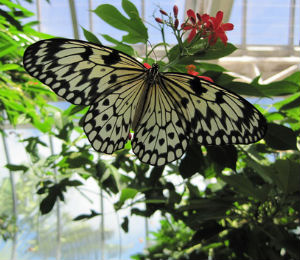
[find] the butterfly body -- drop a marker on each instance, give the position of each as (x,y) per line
(164,109)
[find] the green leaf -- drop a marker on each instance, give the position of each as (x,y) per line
(87,216)
(244,185)
(192,162)
(14,167)
(137,32)
(243,88)
(124,224)
(263,171)
(278,88)
(90,36)
(127,193)
(222,156)
(287,175)
(74,109)
(289,102)
(47,204)
(209,66)
(216,51)
(295,77)
(6,67)
(120,46)
(280,137)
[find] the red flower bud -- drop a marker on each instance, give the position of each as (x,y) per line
(163,12)
(176,23)
(159,20)
(147,65)
(175,10)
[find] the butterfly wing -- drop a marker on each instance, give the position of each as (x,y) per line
(83,73)
(215,116)
(160,136)
(79,71)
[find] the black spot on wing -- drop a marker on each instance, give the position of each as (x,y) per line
(219,97)
(86,55)
(171,135)
(104,117)
(161,141)
(184,102)
(113,78)
(106,102)
(151,138)
(111,58)
(197,86)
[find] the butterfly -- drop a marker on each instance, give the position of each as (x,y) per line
(166,110)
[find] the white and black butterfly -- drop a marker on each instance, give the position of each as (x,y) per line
(164,109)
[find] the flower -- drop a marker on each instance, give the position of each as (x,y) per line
(207,27)
(191,70)
(196,26)
(218,29)
(190,26)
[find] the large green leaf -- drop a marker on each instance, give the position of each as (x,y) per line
(90,36)
(242,184)
(278,88)
(280,137)
(222,156)
(192,162)
(216,51)
(137,32)
(120,46)
(287,175)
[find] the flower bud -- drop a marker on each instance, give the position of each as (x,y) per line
(199,17)
(163,12)
(147,65)
(159,20)
(176,23)
(175,10)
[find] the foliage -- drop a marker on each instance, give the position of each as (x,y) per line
(249,208)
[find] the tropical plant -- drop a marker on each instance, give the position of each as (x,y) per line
(249,205)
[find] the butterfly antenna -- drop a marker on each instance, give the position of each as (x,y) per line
(152,50)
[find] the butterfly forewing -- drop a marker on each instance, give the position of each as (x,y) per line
(79,71)
(215,116)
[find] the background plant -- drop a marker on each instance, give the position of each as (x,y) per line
(249,208)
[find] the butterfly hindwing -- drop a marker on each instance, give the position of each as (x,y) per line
(215,116)
(109,119)
(160,136)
